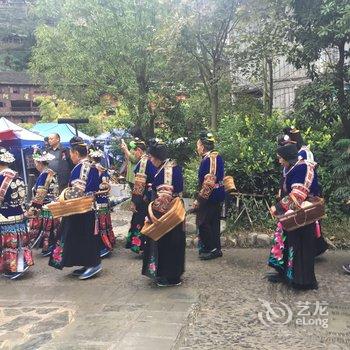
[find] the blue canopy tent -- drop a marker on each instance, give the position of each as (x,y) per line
(19,141)
(66,132)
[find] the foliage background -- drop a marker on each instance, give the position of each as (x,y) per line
(172,68)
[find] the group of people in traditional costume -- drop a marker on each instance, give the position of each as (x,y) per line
(76,240)
(81,240)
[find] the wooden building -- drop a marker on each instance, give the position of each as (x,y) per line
(17,95)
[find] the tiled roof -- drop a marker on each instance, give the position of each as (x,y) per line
(16,78)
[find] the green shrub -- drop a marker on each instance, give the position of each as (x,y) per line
(191,177)
(248,145)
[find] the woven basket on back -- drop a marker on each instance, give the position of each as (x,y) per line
(229,184)
(67,207)
(304,216)
(159,227)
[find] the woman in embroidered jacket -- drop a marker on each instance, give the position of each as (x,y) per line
(141,197)
(78,244)
(105,228)
(15,253)
(43,227)
(164,260)
(292,253)
(210,198)
(293,135)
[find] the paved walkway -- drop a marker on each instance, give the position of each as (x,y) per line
(217,307)
(50,309)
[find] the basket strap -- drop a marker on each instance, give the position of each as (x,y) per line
(151,215)
(143,165)
(213,163)
(80,183)
(62,195)
(168,174)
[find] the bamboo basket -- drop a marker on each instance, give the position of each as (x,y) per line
(67,207)
(160,227)
(304,216)
(229,184)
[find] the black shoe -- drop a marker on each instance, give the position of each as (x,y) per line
(47,253)
(164,282)
(15,275)
(275,278)
(215,253)
(219,253)
(346,268)
(104,252)
(79,272)
(90,272)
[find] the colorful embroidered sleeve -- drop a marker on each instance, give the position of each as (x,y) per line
(79,176)
(140,178)
(40,190)
(207,176)
(168,183)
(302,178)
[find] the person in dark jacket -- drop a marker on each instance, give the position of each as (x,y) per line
(210,198)
(78,242)
(164,260)
(61,164)
(292,252)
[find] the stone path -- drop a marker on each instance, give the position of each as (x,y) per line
(234,292)
(221,305)
(50,309)
(27,326)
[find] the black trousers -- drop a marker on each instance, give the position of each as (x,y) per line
(208,222)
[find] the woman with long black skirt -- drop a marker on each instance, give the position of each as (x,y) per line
(78,242)
(292,254)
(164,260)
(293,135)
(141,197)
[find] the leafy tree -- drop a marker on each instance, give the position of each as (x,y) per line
(341,166)
(247,143)
(260,41)
(316,104)
(200,30)
(320,25)
(16,34)
(87,49)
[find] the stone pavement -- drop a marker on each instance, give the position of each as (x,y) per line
(50,309)
(221,305)
(235,298)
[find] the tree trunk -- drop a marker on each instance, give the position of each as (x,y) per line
(270,97)
(151,125)
(143,89)
(340,76)
(214,89)
(265,88)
